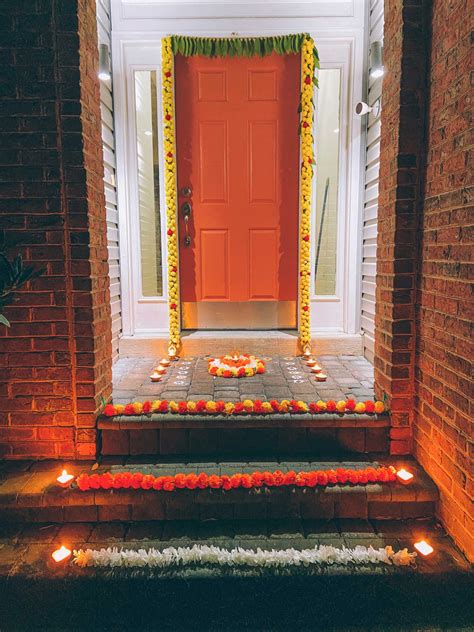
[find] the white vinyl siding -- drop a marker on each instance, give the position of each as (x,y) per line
(108,143)
(371,192)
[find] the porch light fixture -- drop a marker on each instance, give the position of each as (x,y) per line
(376,63)
(104,62)
(61,554)
(423,547)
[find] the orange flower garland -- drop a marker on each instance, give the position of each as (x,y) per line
(313,478)
(247,407)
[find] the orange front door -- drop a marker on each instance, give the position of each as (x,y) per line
(238,156)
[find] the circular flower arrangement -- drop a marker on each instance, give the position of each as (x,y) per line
(243,365)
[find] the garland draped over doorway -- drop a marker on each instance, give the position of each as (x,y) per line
(240,47)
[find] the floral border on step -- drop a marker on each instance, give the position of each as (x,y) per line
(220,47)
(203,555)
(256,480)
(247,407)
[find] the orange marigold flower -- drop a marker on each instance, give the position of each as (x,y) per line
(379,407)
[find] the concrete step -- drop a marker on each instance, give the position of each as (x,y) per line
(29,493)
(274,435)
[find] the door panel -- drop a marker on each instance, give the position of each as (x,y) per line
(238,151)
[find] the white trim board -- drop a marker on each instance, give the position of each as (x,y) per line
(136,45)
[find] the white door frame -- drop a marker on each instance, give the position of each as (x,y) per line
(338,28)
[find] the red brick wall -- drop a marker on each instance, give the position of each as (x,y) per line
(424,300)
(401,153)
(56,358)
(443,424)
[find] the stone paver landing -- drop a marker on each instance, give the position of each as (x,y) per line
(286,377)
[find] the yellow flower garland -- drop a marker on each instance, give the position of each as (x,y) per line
(307,72)
(306,151)
(170,193)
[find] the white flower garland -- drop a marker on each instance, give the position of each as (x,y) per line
(237,557)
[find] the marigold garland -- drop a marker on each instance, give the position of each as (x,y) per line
(306,151)
(220,47)
(313,478)
(247,407)
(170,192)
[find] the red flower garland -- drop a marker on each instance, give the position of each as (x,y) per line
(137,480)
(247,407)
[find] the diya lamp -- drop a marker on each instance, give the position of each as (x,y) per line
(404,476)
(156,376)
(321,377)
(61,554)
(316,369)
(165,362)
(311,362)
(423,547)
(307,353)
(65,479)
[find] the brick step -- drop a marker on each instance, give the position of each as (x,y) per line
(32,496)
(244,435)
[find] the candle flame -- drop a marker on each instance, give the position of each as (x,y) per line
(423,547)
(61,554)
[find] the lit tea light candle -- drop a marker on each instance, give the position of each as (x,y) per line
(311,362)
(321,377)
(423,547)
(61,554)
(404,476)
(316,369)
(65,479)
(155,376)
(307,353)
(161,370)
(165,362)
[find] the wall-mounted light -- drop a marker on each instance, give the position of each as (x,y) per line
(376,61)
(104,62)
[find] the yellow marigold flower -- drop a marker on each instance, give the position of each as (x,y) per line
(379,408)
(119,408)
(248,404)
(138,408)
(321,405)
(341,406)
(359,407)
(303,406)
(155,404)
(211,406)
(267,407)
(191,406)
(173,406)
(229,408)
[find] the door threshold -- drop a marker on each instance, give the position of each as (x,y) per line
(239,333)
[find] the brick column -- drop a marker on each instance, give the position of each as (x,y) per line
(56,358)
(400,194)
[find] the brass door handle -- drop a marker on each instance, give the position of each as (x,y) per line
(186,210)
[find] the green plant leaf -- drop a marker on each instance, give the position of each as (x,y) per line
(4,321)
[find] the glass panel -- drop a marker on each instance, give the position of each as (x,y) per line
(148,183)
(328,121)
